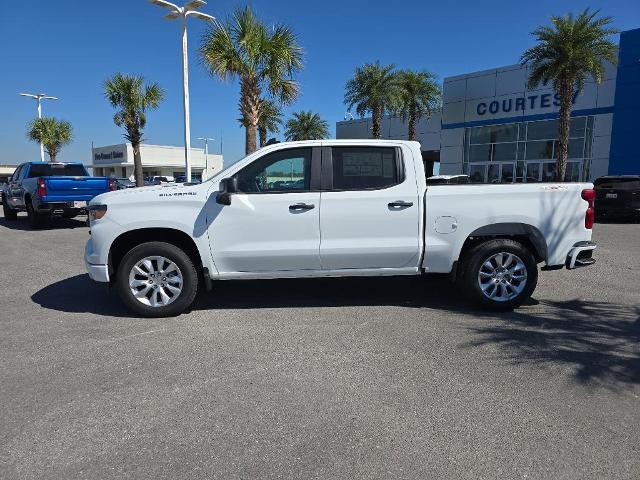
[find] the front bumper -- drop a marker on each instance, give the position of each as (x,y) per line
(581,255)
(97,272)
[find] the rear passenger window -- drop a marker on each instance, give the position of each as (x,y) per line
(365,168)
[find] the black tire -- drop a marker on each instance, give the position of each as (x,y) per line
(36,220)
(9,213)
(174,254)
(474,261)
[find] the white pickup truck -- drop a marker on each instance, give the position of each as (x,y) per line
(334,208)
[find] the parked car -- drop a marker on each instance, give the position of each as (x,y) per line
(122,183)
(49,189)
(618,195)
(363,208)
(157,180)
(183,179)
(448,180)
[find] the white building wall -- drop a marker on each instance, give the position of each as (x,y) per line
(156,159)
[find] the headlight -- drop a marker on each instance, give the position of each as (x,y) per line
(96,212)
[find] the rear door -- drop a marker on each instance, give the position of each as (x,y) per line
(370,208)
(272,224)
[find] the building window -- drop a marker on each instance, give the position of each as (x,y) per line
(526,151)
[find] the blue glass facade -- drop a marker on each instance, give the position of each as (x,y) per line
(624,156)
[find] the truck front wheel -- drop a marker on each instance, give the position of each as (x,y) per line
(500,274)
(157,279)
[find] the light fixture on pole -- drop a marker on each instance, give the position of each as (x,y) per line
(188,9)
(206,152)
(39,97)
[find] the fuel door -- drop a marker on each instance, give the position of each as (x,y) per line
(446,224)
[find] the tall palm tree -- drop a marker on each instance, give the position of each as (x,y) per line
(262,58)
(51,133)
(270,120)
(132,98)
(419,95)
(306,126)
(374,89)
(569,51)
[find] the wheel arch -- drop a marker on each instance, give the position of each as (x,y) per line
(527,234)
(132,238)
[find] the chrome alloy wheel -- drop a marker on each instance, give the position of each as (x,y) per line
(155,281)
(502,277)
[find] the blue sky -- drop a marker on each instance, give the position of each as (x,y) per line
(67,48)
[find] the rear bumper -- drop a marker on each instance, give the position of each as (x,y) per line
(59,207)
(581,255)
(617,211)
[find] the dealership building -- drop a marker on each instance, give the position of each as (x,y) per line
(496,130)
(157,160)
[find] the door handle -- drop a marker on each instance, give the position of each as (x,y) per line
(400,204)
(302,206)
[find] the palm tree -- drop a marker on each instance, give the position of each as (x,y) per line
(569,51)
(132,98)
(306,126)
(373,88)
(261,57)
(419,96)
(51,133)
(270,120)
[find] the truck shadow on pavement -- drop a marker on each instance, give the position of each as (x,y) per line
(79,294)
(55,224)
(599,340)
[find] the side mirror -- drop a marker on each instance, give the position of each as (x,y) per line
(228,186)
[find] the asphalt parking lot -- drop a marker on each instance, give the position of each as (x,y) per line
(342,378)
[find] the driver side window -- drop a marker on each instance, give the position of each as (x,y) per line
(16,174)
(278,172)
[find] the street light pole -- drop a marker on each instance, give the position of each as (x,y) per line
(206,152)
(189,8)
(185,101)
(38,97)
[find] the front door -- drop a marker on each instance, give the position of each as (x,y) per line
(15,191)
(272,224)
(370,209)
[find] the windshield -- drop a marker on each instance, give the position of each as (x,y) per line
(57,169)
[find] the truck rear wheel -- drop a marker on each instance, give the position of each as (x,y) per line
(9,213)
(157,279)
(499,274)
(36,220)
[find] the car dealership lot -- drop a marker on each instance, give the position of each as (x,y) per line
(360,378)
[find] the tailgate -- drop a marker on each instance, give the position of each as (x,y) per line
(63,189)
(613,198)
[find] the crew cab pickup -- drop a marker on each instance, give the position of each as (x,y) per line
(334,208)
(51,189)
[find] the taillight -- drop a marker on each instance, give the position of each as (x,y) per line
(589,195)
(42,188)
(112,185)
